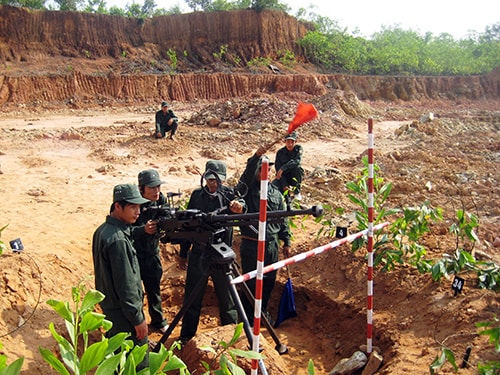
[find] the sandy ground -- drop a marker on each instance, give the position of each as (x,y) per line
(58,171)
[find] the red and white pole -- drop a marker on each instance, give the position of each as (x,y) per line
(261,249)
(369,317)
(307,254)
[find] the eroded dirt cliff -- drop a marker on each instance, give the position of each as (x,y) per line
(35,35)
(68,58)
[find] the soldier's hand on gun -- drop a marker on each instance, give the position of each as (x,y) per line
(279,173)
(151,227)
(286,251)
(235,207)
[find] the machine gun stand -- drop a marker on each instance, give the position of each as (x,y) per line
(223,255)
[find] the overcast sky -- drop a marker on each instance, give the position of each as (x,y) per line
(436,16)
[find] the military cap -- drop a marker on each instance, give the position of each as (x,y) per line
(129,193)
(213,167)
(149,178)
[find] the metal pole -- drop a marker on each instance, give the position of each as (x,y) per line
(261,249)
(307,254)
(369,312)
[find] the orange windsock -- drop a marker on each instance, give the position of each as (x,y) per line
(305,112)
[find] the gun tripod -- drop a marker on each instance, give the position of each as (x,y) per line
(223,256)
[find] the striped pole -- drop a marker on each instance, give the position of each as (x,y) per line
(261,249)
(308,254)
(369,313)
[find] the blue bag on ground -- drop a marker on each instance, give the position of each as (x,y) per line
(287,303)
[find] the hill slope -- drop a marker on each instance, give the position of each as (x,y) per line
(54,58)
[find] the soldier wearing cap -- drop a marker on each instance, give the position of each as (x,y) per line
(116,268)
(275,232)
(147,241)
(288,165)
(213,196)
(165,121)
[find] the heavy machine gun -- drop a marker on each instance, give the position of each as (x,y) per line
(206,229)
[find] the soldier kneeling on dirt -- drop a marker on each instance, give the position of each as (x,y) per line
(166,121)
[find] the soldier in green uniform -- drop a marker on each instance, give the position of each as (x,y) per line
(209,198)
(146,242)
(116,268)
(249,234)
(288,165)
(165,121)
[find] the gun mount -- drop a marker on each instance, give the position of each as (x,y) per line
(206,229)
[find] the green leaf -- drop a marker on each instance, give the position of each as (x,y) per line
(62,308)
(494,336)
(70,328)
(14,368)
(92,298)
(208,348)
(206,366)
(92,356)
(115,342)
(438,363)
(310,367)
(109,365)
(234,369)
(138,354)
(130,365)
(174,363)
(352,186)
(53,361)
(246,353)
(437,271)
(107,324)
(60,339)
(156,359)
(91,321)
(451,358)
(237,333)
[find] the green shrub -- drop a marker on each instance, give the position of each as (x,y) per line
(110,355)
(226,356)
(15,367)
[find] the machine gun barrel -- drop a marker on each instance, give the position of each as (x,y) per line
(209,228)
(252,218)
